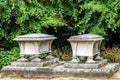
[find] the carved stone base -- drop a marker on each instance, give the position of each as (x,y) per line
(49,57)
(90,60)
(36,60)
(96,65)
(22,59)
(58,70)
(35,63)
(105,71)
(74,60)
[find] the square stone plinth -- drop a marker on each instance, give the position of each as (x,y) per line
(105,71)
(58,70)
(30,69)
(96,65)
(35,64)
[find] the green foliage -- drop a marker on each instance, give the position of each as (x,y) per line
(6,57)
(90,16)
(104,15)
(79,16)
(41,56)
(25,16)
(111,54)
(63,54)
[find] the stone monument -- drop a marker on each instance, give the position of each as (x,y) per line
(86,45)
(32,45)
(86,60)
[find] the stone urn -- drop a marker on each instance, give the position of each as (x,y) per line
(85,45)
(34,44)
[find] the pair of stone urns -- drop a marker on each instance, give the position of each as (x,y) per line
(83,46)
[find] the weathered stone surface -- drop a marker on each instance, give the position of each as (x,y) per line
(26,74)
(106,71)
(58,70)
(15,68)
(30,69)
(29,72)
(35,64)
(85,45)
(86,48)
(34,44)
(85,37)
(96,65)
(34,37)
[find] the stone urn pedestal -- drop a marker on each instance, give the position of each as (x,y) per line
(86,45)
(32,45)
(86,60)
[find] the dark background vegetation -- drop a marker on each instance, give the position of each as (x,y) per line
(62,18)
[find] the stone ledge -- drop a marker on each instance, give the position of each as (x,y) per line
(96,65)
(29,72)
(106,71)
(58,70)
(35,64)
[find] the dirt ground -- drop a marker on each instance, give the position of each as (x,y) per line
(116,76)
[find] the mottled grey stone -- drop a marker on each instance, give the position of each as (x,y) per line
(35,37)
(58,70)
(29,72)
(109,68)
(86,37)
(85,45)
(85,65)
(19,68)
(112,66)
(35,64)
(49,57)
(22,59)
(36,59)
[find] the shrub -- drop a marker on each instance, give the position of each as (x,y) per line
(111,54)
(6,57)
(64,53)
(25,16)
(76,16)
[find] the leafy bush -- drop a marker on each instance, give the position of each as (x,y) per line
(25,16)
(6,57)
(77,16)
(90,16)
(111,54)
(64,54)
